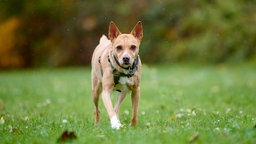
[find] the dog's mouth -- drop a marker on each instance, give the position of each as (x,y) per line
(125,65)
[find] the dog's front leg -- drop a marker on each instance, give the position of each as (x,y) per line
(119,100)
(115,123)
(135,105)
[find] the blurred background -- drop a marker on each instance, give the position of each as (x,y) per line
(47,33)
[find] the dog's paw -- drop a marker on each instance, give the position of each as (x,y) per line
(115,123)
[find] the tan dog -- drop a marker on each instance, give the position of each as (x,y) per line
(116,66)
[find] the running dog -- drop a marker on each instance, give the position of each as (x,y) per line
(116,66)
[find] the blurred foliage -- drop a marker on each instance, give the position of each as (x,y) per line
(65,32)
(8,42)
(209,31)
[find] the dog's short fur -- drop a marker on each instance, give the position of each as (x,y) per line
(117,55)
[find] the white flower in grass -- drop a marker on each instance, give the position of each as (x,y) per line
(217,129)
(174,117)
(26,118)
(240,112)
(228,110)
(143,113)
(191,111)
(47,102)
(126,112)
(179,115)
(2,120)
(64,121)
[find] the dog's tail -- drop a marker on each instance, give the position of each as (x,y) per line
(104,40)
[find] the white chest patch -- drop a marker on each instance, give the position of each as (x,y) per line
(123,84)
(124,81)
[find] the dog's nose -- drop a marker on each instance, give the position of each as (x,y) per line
(126,60)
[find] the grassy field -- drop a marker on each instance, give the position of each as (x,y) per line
(179,104)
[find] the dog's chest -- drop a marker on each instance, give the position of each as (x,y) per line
(123,85)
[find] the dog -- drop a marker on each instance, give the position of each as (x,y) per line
(116,66)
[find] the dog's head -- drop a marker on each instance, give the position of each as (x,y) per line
(125,47)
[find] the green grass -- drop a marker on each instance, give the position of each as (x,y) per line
(215,103)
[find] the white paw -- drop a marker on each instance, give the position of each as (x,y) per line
(115,123)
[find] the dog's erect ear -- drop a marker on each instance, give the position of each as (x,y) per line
(113,31)
(137,31)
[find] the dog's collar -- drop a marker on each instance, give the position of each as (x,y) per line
(131,69)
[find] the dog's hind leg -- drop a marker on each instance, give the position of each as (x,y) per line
(96,90)
(119,100)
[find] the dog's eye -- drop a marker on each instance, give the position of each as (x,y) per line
(119,48)
(133,47)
